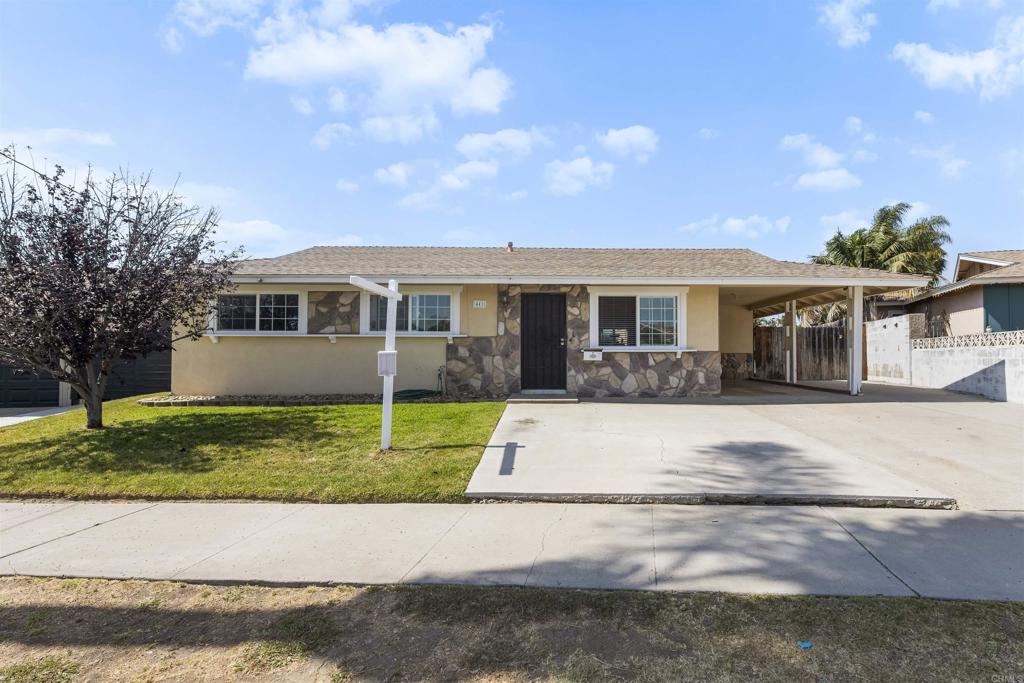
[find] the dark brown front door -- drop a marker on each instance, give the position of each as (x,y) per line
(543,341)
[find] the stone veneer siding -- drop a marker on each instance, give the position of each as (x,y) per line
(737,365)
(333,312)
(491,366)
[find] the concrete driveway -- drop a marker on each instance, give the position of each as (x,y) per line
(13,416)
(894,446)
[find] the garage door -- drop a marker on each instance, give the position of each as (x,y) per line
(22,387)
(147,375)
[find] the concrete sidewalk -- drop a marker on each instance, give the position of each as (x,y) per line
(743,549)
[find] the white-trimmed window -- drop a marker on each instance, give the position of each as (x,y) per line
(418,313)
(627,320)
(260,313)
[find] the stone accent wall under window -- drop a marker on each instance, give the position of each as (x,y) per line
(333,312)
(737,365)
(491,366)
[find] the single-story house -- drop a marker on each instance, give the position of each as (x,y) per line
(499,321)
(986,295)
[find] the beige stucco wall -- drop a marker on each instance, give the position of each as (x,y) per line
(735,329)
(480,322)
(965,309)
(300,365)
(702,318)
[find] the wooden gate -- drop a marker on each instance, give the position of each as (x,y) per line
(821,353)
(769,353)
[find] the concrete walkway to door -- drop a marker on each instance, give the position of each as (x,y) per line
(763,443)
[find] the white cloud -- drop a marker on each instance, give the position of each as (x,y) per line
(751,227)
(995,71)
(346,185)
(403,128)
(512,141)
(421,201)
(708,133)
(259,237)
(514,196)
(848,20)
(460,177)
(831,180)
(639,142)
(170,39)
(206,17)
(302,105)
(936,5)
(35,137)
(395,174)
(329,133)
(924,117)
(846,221)
(814,153)
(337,100)
(709,224)
(854,124)
(401,67)
(755,225)
(949,165)
(917,211)
(208,194)
(347,240)
(573,177)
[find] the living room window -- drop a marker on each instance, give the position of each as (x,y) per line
(258,313)
(638,321)
(429,313)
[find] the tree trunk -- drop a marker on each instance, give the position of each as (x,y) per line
(93,411)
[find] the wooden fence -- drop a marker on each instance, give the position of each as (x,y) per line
(821,353)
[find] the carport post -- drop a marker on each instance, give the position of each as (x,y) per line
(854,338)
(789,320)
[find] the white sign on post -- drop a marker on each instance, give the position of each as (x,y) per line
(387,360)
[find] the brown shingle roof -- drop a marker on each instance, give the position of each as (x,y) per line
(545,262)
(1011,255)
(1013,272)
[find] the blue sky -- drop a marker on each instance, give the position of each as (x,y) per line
(746,124)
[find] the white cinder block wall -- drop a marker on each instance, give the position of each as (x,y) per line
(996,372)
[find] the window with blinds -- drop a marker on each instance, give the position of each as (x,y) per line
(616,320)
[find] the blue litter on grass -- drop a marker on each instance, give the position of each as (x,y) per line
(805,644)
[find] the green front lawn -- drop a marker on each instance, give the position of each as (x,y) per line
(315,453)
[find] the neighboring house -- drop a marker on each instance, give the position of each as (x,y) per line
(986,295)
(497,321)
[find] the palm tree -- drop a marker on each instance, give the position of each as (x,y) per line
(886,245)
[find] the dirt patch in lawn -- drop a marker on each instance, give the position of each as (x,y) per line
(95,630)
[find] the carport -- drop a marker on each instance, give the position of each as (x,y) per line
(767,301)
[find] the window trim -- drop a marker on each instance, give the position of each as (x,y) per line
(303,316)
(456,312)
(679,292)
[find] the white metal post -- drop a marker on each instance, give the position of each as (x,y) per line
(387,360)
(855,344)
(389,380)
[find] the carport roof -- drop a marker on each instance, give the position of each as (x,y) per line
(562,265)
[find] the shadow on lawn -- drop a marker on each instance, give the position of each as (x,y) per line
(171,442)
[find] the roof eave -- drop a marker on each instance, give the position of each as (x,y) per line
(900,282)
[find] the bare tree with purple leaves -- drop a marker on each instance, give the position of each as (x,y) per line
(94,275)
